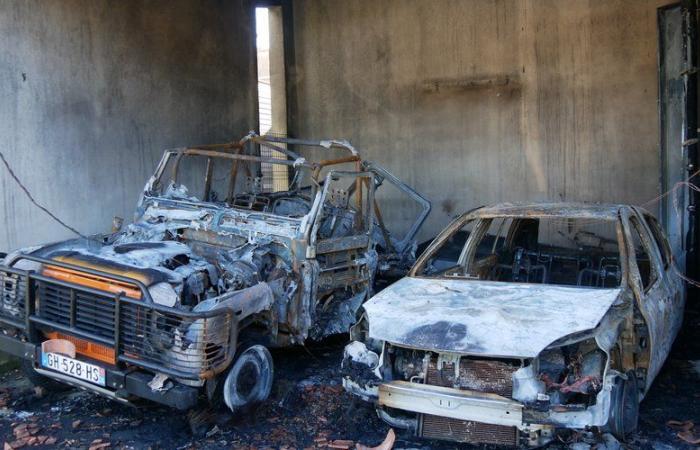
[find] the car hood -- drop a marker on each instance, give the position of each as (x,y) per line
(483,318)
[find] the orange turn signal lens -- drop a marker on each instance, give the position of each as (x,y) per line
(97,352)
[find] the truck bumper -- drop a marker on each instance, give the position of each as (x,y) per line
(15,347)
(119,385)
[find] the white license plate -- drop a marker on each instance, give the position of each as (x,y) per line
(76,369)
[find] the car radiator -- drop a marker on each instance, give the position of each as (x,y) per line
(489,376)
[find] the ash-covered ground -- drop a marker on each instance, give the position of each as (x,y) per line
(307,409)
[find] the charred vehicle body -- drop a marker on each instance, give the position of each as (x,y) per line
(216,268)
(521,322)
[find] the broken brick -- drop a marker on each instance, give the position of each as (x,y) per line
(99,444)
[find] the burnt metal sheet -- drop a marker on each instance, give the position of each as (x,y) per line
(560,209)
(483,318)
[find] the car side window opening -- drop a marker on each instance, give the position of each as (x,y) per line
(642,255)
(661,241)
(487,246)
(445,258)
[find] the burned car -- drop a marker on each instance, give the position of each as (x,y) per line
(217,267)
(520,323)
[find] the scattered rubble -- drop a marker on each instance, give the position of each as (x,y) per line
(387,444)
(686,431)
(28,434)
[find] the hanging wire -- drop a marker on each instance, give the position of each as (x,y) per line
(674,191)
(31,198)
(670,191)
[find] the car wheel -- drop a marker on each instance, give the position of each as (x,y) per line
(41,381)
(624,407)
(249,380)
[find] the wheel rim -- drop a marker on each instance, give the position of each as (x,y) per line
(250,378)
(630,406)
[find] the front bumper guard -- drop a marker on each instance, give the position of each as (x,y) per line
(120,386)
(135,324)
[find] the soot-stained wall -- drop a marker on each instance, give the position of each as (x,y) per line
(479,101)
(93,91)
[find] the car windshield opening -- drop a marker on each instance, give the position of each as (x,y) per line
(571,251)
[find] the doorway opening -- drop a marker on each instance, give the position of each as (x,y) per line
(678,131)
(272,97)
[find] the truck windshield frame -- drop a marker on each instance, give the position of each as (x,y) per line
(243,159)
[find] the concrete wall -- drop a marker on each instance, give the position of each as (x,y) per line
(91,92)
(478,101)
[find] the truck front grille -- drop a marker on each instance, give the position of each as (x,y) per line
(189,345)
(12,295)
(115,321)
(92,313)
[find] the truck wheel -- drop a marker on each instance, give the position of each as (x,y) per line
(38,380)
(624,407)
(249,380)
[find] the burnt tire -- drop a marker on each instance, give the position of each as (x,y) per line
(249,380)
(624,407)
(41,381)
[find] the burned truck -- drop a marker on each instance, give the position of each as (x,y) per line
(219,265)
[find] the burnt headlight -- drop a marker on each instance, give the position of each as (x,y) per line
(573,373)
(163,294)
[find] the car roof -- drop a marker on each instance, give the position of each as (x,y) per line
(561,209)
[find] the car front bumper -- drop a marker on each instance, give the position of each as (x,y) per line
(536,426)
(452,403)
